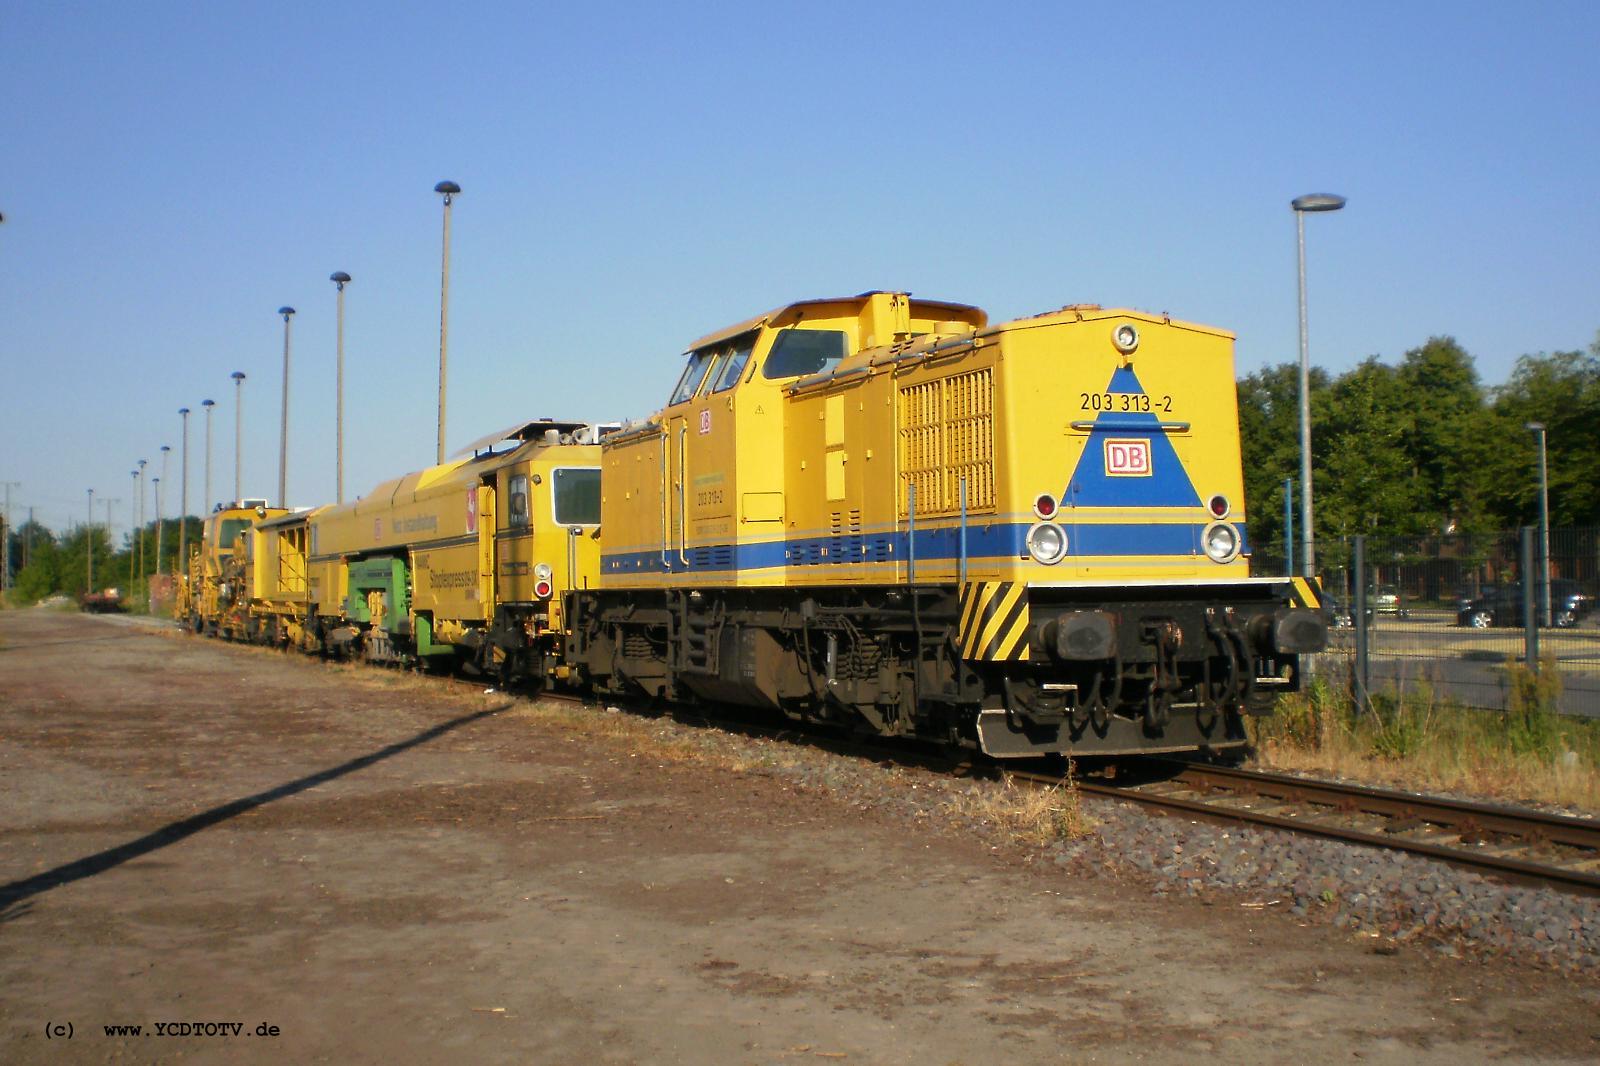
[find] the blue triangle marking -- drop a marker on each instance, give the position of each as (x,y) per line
(1168,483)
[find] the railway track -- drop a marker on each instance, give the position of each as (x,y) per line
(1512,843)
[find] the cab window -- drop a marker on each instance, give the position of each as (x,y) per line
(519,501)
(231,528)
(693,375)
(803,352)
(733,369)
(576,496)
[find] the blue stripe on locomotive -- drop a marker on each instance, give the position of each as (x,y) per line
(941,544)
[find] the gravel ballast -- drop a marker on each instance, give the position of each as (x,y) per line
(1397,899)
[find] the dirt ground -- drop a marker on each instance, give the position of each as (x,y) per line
(390,871)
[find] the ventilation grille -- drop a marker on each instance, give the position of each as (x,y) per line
(946,434)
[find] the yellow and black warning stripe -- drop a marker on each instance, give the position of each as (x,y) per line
(1305,592)
(994,621)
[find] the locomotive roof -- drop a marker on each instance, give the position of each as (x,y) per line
(760,320)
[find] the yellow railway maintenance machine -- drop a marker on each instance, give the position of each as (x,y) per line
(886,512)
(465,562)
(216,593)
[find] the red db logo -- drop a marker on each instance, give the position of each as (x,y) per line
(472,510)
(705,420)
(1128,458)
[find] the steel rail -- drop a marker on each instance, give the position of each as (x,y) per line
(1476,835)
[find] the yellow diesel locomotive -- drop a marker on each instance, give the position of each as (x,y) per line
(885,512)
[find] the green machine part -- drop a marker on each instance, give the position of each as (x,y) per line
(386,575)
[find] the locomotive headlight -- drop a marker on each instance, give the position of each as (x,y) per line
(542,572)
(1047,543)
(1126,338)
(1221,542)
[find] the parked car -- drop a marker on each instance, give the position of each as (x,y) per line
(1386,600)
(1502,606)
(1340,614)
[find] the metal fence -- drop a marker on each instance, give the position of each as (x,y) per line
(1453,612)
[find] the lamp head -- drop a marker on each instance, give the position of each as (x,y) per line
(1317,201)
(166,447)
(208,403)
(339,278)
(286,312)
(1534,427)
(448,188)
(237,375)
(183,411)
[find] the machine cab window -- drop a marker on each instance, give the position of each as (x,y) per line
(229,529)
(733,368)
(804,352)
(575,496)
(700,364)
(519,501)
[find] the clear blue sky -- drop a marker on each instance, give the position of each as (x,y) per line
(634,176)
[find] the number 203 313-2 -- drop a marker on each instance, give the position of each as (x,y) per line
(1125,401)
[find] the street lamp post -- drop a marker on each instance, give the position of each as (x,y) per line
(139,485)
(206,501)
(238,434)
(283,429)
(1302,205)
(88,543)
(155,489)
(183,510)
(340,279)
(133,510)
(1538,430)
(166,452)
(449,190)
(106,502)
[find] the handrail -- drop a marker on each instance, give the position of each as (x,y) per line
(683,482)
(1089,425)
(666,442)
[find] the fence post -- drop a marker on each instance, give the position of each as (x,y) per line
(1530,620)
(1288,527)
(1358,612)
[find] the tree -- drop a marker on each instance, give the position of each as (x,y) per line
(1445,438)
(1269,426)
(1360,469)
(1562,391)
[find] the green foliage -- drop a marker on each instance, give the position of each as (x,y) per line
(1301,719)
(1531,724)
(1269,423)
(1399,728)
(1423,447)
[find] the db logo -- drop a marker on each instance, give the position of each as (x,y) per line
(472,510)
(705,420)
(1128,458)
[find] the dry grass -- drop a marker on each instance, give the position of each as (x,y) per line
(1423,742)
(1026,813)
